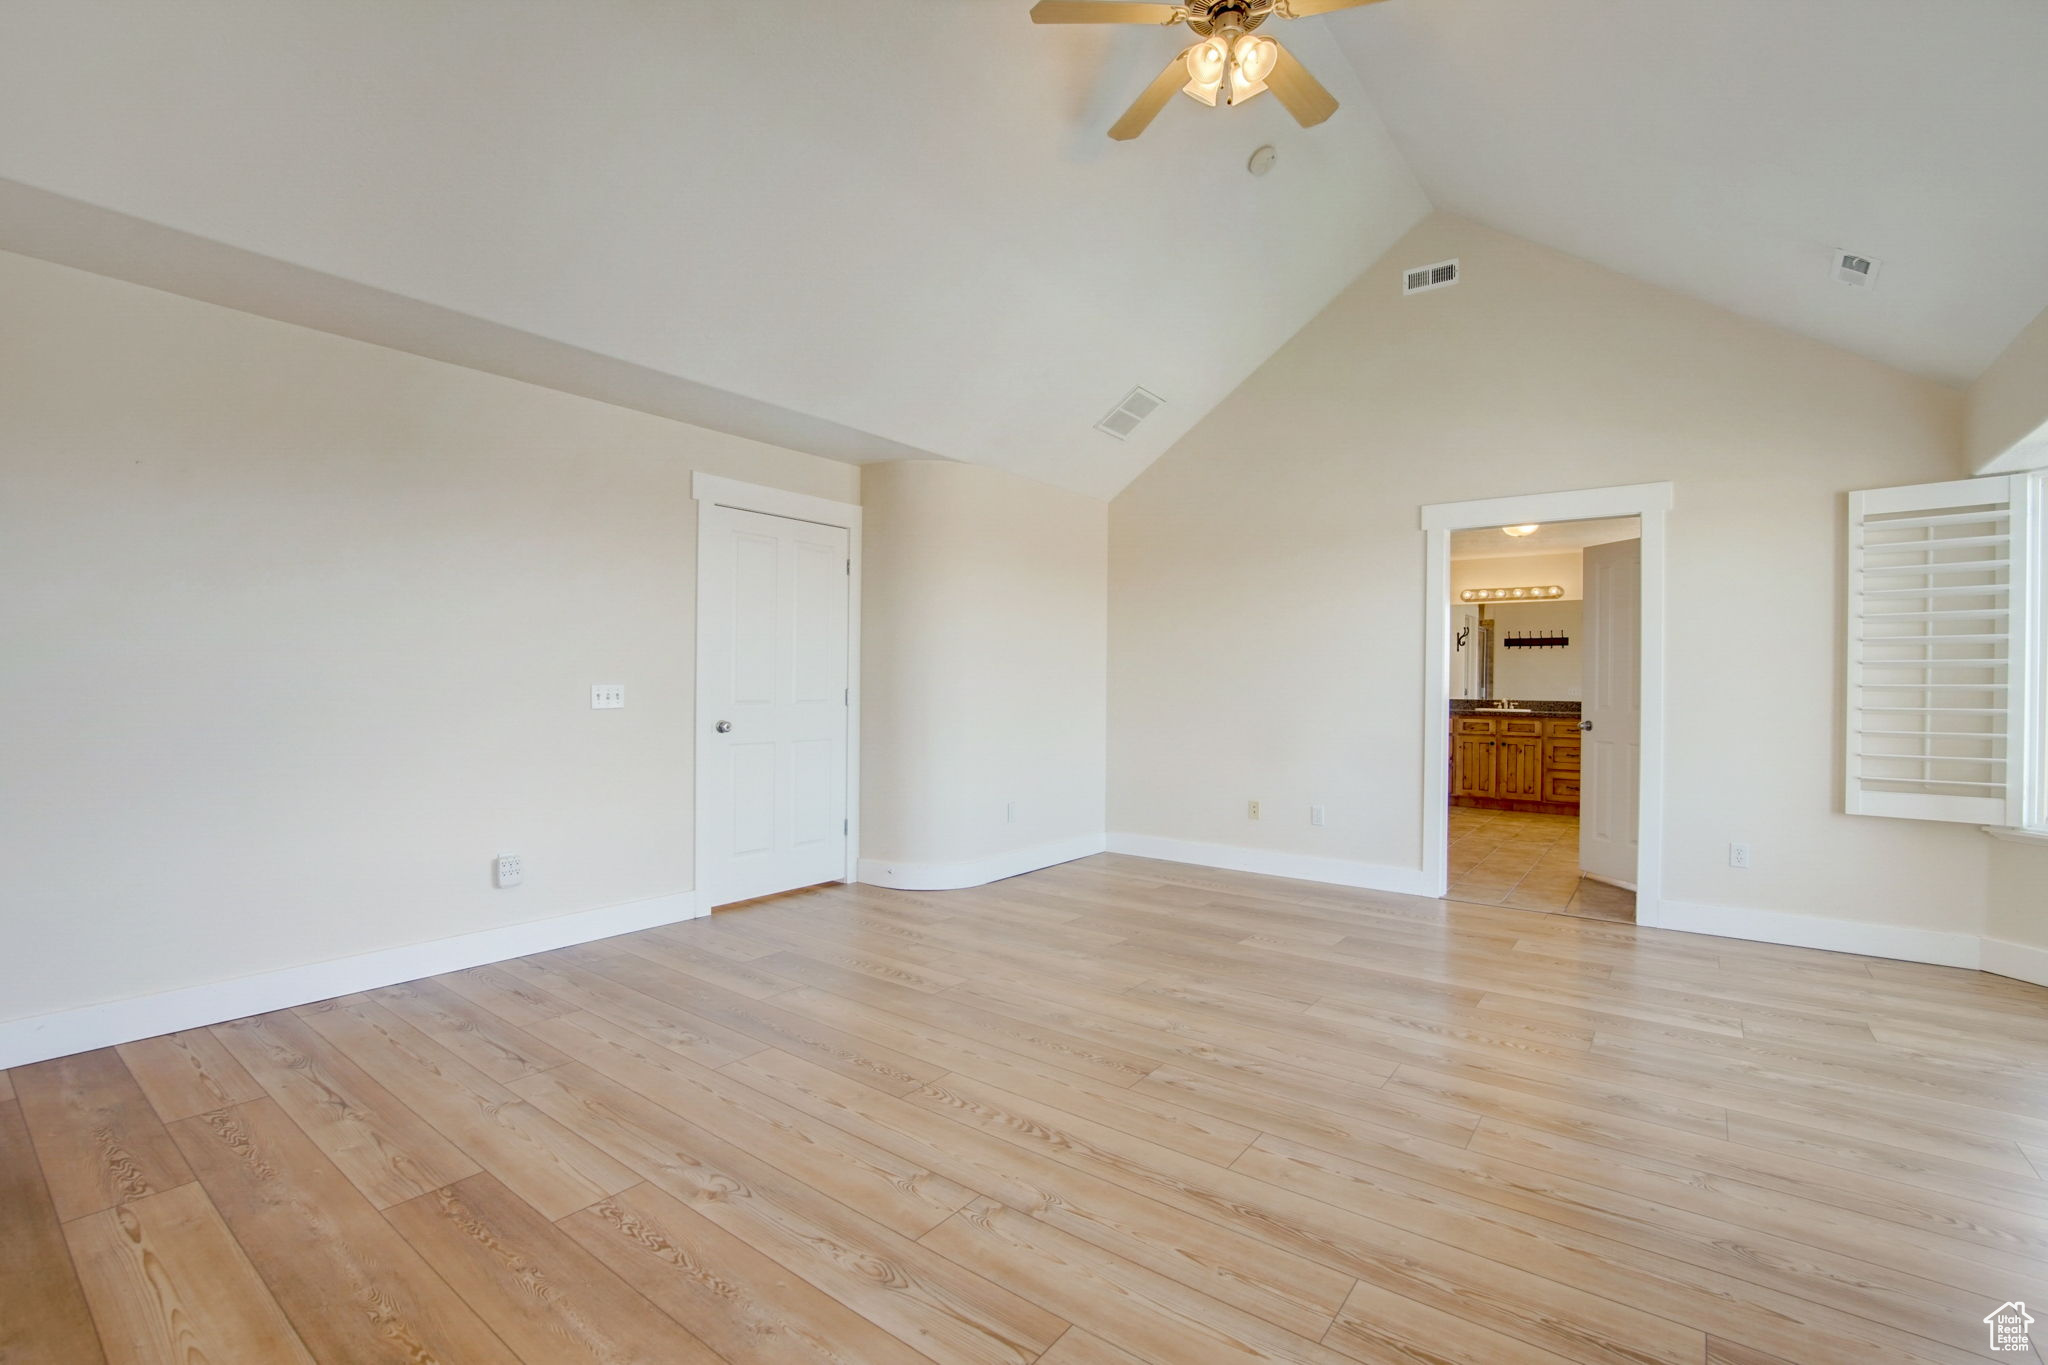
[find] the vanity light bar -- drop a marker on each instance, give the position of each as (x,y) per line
(1510,594)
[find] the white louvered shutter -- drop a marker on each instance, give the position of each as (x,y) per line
(1937,589)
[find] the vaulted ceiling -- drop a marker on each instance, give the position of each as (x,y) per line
(896,227)
(1726,148)
(898,217)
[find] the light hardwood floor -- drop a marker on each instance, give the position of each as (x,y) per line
(1111,1112)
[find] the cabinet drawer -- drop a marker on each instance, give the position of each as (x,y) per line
(1471,725)
(1559,729)
(1561,786)
(1522,728)
(1561,753)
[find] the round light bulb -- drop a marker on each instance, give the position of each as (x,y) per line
(1518,592)
(1205,62)
(1256,57)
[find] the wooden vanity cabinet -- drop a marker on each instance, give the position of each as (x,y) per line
(1472,756)
(1515,762)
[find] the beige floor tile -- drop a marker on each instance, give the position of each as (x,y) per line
(1529,861)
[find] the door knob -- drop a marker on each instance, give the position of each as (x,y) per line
(724,727)
(1585,725)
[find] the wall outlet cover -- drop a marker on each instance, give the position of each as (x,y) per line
(509,870)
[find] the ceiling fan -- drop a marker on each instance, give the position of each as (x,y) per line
(1230,62)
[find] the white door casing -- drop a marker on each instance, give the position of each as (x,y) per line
(1610,754)
(776,599)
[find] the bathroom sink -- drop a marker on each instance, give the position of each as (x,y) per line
(1503,711)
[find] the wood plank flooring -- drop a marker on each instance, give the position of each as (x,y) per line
(1116,1112)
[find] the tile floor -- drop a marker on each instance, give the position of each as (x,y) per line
(1530,862)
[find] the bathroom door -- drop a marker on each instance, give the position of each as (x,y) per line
(1611,714)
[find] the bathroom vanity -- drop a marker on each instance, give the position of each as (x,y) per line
(1516,756)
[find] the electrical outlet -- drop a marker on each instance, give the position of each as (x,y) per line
(1738,855)
(1251,810)
(509,871)
(607,696)
(1315,815)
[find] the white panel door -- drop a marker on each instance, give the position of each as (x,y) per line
(1611,751)
(774,602)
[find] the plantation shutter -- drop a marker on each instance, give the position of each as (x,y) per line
(1937,587)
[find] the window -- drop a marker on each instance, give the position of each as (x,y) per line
(1948,659)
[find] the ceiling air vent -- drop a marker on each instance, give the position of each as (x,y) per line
(1427,277)
(1138,404)
(1857,271)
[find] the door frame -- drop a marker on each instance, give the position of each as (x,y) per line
(1648,501)
(712,490)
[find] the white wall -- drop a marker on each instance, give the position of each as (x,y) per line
(1552,673)
(2008,405)
(983,663)
(2019,894)
(1267,575)
(299,634)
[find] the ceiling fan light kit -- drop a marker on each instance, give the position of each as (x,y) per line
(1230,62)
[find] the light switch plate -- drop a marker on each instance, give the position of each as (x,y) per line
(607,696)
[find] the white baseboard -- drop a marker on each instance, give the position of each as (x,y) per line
(43,1036)
(1306,867)
(976,871)
(2021,961)
(1818,931)
(1939,947)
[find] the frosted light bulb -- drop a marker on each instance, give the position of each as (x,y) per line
(1256,58)
(1251,61)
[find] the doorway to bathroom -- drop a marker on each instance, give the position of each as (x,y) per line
(1549,709)
(1542,731)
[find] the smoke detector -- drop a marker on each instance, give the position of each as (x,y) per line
(1123,419)
(1424,278)
(1858,272)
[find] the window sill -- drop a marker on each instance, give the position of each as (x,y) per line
(2017,836)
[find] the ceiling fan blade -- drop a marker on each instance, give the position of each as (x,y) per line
(1102,12)
(1302,93)
(1146,107)
(1308,9)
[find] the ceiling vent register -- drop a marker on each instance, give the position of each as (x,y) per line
(1859,272)
(1124,418)
(1427,277)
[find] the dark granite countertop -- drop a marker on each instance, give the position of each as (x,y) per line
(1462,707)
